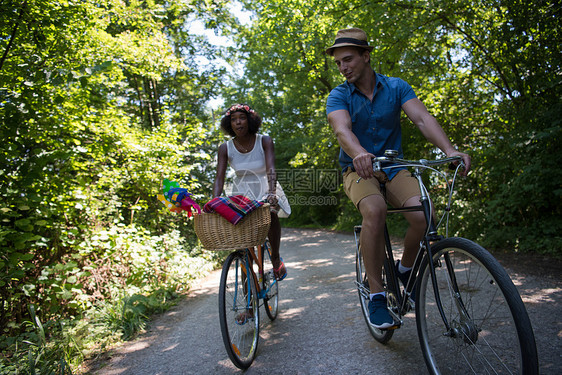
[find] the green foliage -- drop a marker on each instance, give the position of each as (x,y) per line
(521,209)
(118,279)
(37,353)
(98,103)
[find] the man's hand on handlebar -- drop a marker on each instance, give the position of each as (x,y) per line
(465,160)
(363,164)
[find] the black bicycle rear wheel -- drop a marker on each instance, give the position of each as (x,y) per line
(382,336)
(239,310)
(490,331)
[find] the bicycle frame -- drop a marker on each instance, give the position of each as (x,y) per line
(244,269)
(425,250)
(254,256)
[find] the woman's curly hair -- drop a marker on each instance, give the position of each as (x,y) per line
(254,120)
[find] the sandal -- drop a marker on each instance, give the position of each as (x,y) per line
(244,317)
(281,272)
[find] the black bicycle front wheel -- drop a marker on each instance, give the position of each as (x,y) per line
(382,336)
(490,331)
(239,310)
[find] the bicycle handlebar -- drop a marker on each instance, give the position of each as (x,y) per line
(390,158)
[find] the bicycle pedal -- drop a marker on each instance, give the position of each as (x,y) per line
(396,326)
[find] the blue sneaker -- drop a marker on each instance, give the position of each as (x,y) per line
(378,313)
(404,279)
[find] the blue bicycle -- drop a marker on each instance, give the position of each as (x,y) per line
(247,283)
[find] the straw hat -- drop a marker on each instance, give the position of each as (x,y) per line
(350,38)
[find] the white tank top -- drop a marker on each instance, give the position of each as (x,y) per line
(252,162)
(251,175)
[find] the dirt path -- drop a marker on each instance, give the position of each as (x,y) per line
(319,329)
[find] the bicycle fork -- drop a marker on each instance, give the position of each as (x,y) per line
(465,327)
(243,266)
(431,235)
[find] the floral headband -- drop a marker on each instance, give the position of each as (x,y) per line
(239,107)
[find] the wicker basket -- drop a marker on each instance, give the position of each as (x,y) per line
(216,233)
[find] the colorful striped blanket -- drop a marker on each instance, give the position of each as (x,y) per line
(233,208)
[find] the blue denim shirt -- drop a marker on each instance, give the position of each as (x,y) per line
(376,123)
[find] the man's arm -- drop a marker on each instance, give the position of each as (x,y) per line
(341,125)
(432,131)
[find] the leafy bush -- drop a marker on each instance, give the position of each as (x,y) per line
(118,280)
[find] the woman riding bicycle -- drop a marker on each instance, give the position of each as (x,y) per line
(252,156)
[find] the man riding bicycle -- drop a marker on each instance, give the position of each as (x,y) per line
(364,113)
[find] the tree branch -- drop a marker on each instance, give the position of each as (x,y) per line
(506,89)
(13,36)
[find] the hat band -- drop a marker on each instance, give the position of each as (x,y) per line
(351,40)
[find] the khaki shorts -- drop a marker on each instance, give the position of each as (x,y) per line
(398,190)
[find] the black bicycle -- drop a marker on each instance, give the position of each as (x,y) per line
(470,317)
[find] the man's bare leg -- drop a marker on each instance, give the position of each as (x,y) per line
(414,233)
(373,210)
